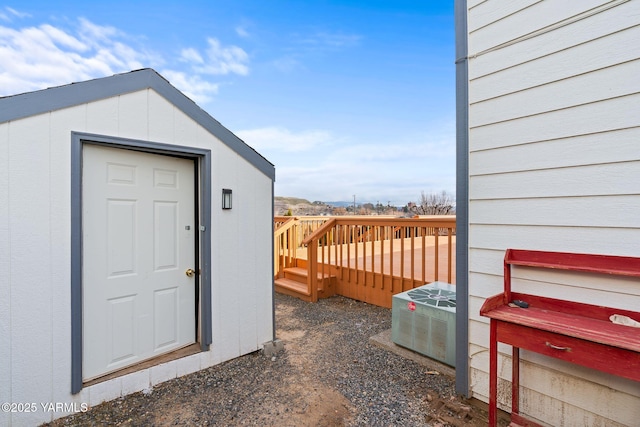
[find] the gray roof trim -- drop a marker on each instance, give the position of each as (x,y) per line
(32,103)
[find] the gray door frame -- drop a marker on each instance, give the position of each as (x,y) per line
(202,159)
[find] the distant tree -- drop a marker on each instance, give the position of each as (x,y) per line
(289,213)
(435,204)
(339,211)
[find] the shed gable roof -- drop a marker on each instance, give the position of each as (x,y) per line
(32,103)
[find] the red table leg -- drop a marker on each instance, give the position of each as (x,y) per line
(493,373)
(515,381)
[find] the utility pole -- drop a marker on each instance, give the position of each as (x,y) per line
(354,204)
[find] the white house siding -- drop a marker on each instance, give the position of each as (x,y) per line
(554,164)
(35,224)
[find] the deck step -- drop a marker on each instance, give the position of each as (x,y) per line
(296,273)
(300,274)
(293,285)
(292,288)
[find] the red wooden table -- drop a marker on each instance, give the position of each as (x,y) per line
(574,332)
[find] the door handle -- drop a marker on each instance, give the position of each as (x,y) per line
(190,272)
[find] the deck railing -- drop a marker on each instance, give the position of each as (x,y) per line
(289,232)
(284,237)
(374,258)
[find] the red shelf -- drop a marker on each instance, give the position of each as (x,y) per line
(574,332)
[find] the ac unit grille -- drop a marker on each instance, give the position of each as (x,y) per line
(423,320)
(436,297)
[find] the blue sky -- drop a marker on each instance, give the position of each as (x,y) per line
(344,97)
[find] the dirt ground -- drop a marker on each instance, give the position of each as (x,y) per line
(330,408)
(327,375)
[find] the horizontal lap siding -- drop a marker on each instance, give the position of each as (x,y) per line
(488,12)
(595,211)
(508,25)
(587,30)
(597,117)
(573,181)
(547,394)
(607,51)
(605,84)
(559,153)
(554,165)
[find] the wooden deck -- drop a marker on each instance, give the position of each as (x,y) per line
(400,260)
(391,255)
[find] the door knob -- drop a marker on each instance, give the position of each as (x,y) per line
(190,272)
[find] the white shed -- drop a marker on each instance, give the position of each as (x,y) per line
(549,159)
(120,268)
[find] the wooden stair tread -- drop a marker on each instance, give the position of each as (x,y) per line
(292,284)
(303,272)
(298,270)
(293,288)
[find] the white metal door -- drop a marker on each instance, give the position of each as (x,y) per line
(139,229)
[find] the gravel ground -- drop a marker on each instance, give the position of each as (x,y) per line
(328,375)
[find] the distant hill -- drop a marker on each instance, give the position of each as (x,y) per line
(302,207)
(299,201)
(291,200)
(340,204)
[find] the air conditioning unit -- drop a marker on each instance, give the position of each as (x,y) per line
(424,320)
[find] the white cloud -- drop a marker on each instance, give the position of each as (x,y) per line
(323,40)
(191,55)
(321,43)
(8,14)
(34,58)
(316,165)
(336,39)
(433,145)
(199,90)
(395,171)
(287,64)
(218,59)
(279,139)
(95,34)
(38,57)
(242,31)
(62,39)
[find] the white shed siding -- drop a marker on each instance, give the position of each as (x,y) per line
(31,284)
(554,165)
(59,196)
(5,272)
(35,298)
